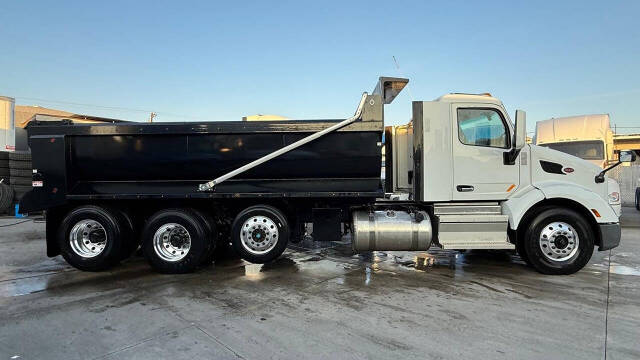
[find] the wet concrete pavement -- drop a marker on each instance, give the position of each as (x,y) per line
(320,301)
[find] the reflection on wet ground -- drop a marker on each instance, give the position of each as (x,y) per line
(624,270)
(434,258)
(318,258)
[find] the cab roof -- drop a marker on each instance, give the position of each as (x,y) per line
(460,97)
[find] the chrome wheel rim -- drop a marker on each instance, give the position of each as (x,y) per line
(88,238)
(259,235)
(172,242)
(559,241)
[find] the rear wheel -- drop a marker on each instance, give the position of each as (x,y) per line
(559,242)
(260,233)
(211,236)
(174,241)
(90,238)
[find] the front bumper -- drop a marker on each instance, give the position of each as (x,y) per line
(609,236)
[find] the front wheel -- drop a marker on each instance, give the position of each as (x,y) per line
(559,242)
(260,234)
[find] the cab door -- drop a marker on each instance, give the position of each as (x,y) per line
(481,136)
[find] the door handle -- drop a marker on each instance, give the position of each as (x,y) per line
(464,188)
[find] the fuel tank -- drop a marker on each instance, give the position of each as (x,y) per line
(389,230)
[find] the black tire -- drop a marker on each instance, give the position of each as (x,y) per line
(113,231)
(130,237)
(4,172)
(275,216)
(21,181)
(4,155)
(213,237)
(20,156)
(522,251)
(6,197)
(577,225)
(14,164)
(638,198)
(20,173)
(196,230)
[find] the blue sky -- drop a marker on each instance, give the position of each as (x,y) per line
(191,60)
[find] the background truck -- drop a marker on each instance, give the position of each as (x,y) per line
(7,123)
(459,176)
(588,137)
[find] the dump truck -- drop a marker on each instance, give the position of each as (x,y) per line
(458,176)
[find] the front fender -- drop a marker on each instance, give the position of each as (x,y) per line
(520,203)
(585,197)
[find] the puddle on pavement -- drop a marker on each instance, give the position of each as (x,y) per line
(257,271)
(616,268)
(69,278)
(292,263)
(334,260)
(22,287)
(396,260)
(253,271)
(624,270)
(436,259)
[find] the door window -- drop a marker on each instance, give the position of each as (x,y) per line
(482,127)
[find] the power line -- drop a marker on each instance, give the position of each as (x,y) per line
(81,104)
(104,107)
(402,74)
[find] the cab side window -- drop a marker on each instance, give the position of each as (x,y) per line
(482,127)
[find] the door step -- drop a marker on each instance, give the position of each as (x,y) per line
(463,208)
(472,226)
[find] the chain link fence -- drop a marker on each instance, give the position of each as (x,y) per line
(629,179)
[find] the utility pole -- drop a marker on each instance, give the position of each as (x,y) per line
(151,116)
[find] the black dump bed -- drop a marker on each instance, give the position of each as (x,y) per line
(170,160)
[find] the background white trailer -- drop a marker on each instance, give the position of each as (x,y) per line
(7,124)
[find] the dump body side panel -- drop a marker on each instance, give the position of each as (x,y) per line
(170,160)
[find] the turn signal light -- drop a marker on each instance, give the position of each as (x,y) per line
(595,212)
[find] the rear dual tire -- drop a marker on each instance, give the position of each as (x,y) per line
(177,241)
(91,238)
(260,234)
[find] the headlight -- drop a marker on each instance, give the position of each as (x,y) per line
(613,191)
(614,197)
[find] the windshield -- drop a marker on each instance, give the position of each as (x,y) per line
(588,150)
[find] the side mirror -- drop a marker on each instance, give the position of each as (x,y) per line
(623,157)
(626,156)
(520,136)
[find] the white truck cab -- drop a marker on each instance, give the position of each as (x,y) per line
(491,190)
